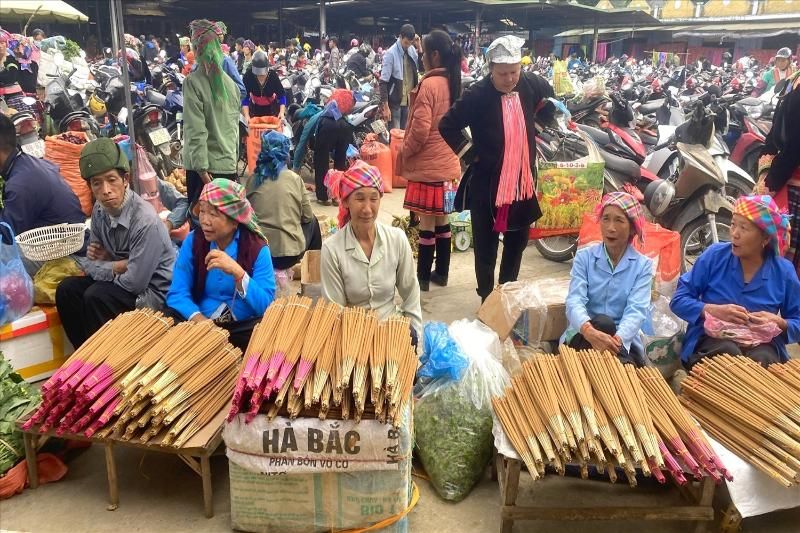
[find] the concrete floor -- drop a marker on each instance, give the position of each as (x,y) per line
(160,493)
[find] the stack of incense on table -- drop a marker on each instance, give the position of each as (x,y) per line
(751,410)
(324,361)
(138,378)
(586,408)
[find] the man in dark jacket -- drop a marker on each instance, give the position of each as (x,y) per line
(481,109)
(357,62)
(399,75)
(32,192)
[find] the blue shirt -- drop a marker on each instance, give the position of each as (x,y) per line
(259,289)
(717,278)
(35,195)
(623,295)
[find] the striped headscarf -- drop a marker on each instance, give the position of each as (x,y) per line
(767,216)
(629,205)
(206,38)
(274,156)
(516,178)
(342,184)
(229,198)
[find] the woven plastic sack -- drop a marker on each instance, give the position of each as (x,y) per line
(746,335)
(562,84)
(16,286)
(453,418)
(256,127)
(47,279)
(378,155)
(66,156)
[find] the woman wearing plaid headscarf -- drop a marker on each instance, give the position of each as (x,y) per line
(745,281)
(211,108)
(366,262)
(609,290)
(224,269)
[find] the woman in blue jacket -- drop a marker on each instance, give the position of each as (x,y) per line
(224,269)
(742,281)
(609,293)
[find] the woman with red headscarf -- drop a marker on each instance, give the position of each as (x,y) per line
(366,262)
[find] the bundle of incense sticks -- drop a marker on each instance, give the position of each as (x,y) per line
(751,410)
(335,362)
(147,381)
(586,408)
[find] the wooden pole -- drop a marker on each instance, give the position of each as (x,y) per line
(594,42)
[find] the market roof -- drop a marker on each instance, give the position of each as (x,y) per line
(511,14)
(42,11)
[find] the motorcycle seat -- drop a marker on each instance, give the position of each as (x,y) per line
(599,136)
(651,107)
(591,104)
(620,164)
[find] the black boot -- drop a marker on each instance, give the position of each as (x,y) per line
(425,259)
(443,238)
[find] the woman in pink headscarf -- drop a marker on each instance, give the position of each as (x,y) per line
(366,262)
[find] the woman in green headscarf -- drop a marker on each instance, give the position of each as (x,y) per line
(210,112)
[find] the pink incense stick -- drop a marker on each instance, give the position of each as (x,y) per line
(303,370)
(99,374)
(275,363)
(104,418)
(656,471)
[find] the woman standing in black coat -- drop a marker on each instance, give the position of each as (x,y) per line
(501,196)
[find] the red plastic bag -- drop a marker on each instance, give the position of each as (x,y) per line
(50,468)
(746,335)
(660,244)
(396,147)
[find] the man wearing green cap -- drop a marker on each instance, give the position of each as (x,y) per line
(130,256)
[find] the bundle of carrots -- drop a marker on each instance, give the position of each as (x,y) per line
(587,408)
(751,410)
(325,361)
(137,377)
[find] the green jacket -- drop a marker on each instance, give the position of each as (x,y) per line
(211,126)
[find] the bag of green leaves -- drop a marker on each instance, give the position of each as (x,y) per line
(16,398)
(461,371)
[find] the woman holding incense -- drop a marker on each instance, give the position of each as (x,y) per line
(224,269)
(366,262)
(743,283)
(609,293)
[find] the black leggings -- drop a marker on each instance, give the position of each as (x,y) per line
(605,324)
(765,354)
(486,241)
(331,136)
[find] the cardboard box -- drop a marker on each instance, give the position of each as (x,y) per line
(35,344)
(532,310)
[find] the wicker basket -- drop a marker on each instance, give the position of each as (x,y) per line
(51,242)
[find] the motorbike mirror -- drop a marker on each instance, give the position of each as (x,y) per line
(108,51)
(122,116)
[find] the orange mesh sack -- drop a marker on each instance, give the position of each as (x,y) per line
(66,155)
(256,127)
(396,146)
(378,155)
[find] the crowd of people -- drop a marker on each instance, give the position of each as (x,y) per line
(224,270)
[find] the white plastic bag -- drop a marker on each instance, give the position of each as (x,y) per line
(454,419)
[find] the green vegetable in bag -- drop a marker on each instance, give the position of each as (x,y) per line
(16,398)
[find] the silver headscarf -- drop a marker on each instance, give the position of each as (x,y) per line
(506,50)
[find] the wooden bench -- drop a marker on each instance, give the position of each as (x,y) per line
(195,453)
(698,495)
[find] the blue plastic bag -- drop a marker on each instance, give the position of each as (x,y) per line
(442,357)
(16,286)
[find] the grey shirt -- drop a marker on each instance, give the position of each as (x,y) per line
(140,237)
